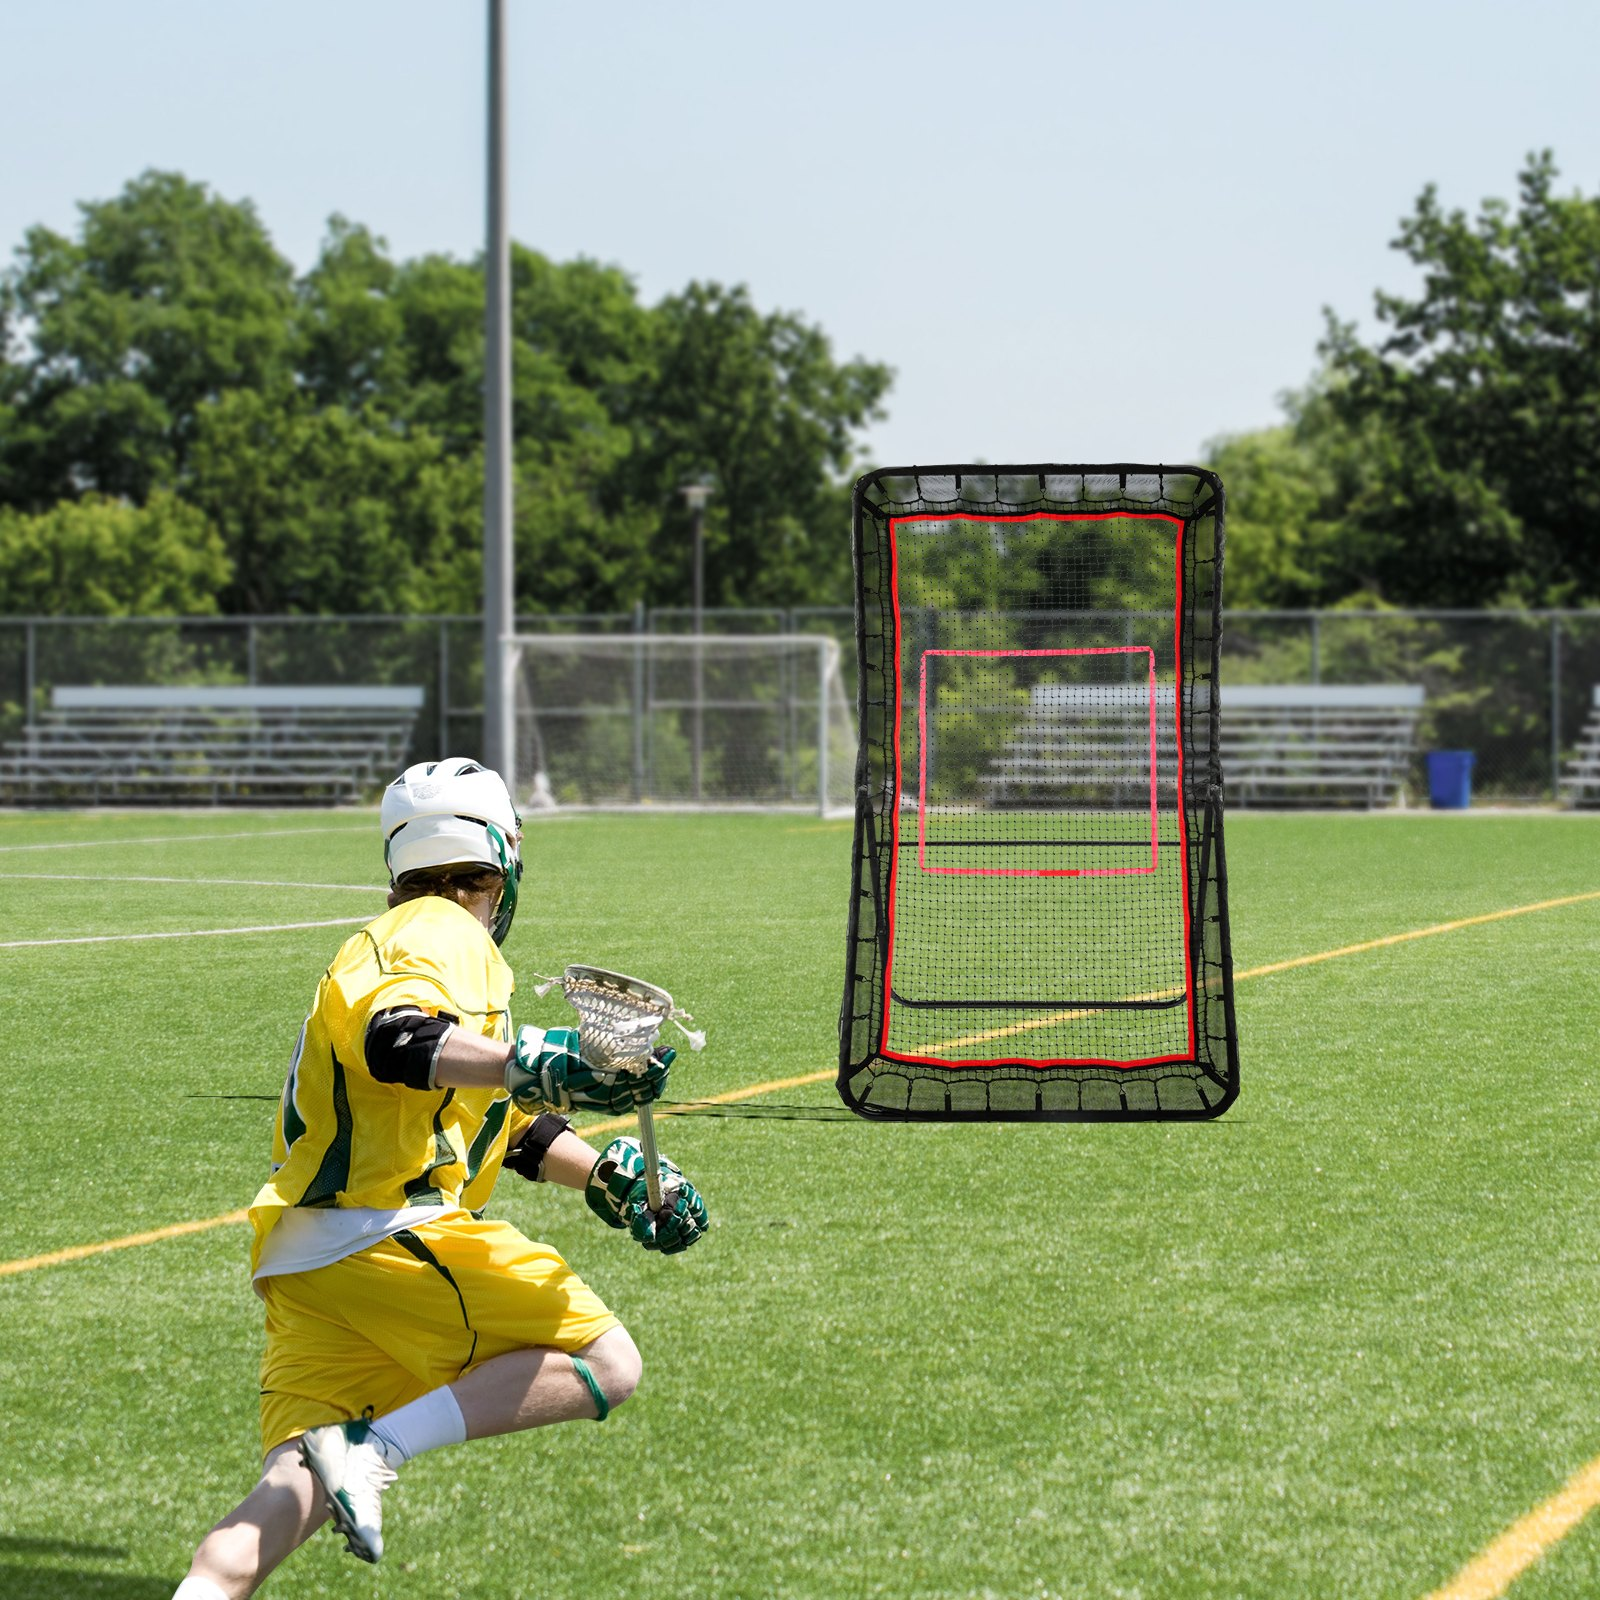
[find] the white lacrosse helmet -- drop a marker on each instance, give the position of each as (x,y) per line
(439,813)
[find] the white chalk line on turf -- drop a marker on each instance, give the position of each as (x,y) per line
(248,883)
(181,838)
(182,933)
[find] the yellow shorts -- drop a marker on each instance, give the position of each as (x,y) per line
(410,1313)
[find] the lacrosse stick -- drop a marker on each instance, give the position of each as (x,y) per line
(618,1021)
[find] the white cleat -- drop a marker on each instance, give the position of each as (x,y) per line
(353,1472)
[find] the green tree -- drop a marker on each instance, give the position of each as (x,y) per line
(322,511)
(1481,406)
(100,557)
(328,429)
(758,402)
(582,351)
(1292,493)
(350,336)
(169,297)
(1275,491)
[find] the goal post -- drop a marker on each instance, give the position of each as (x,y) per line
(682,721)
(1038,926)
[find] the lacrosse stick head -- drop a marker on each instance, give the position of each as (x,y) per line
(620,1018)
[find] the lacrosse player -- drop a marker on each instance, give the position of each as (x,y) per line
(397,1320)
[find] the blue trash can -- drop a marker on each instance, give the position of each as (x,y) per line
(1450,779)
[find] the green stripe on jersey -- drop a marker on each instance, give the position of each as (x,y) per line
(334,1173)
(419,1192)
(487,1134)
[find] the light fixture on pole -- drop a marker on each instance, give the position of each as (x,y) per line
(696,495)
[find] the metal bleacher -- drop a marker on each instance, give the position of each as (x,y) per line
(1319,744)
(1290,744)
(237,745)
(1581,781)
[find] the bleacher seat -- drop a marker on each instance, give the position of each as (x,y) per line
(1311,744)
(1581,780)
(1319,744)
(233,745)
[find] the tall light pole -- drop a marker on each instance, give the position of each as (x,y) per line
(696,494)
(499,731)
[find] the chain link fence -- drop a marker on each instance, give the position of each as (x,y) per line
(1514,687)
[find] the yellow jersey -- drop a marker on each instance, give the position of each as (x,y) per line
(345,1139)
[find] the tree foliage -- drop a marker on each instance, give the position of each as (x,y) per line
(168,298)
(325,430)
(1455,460)
(98,557)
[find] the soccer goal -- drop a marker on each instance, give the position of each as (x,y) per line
(1038,927)
(724,722)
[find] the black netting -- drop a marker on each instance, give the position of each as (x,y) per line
(1039,918)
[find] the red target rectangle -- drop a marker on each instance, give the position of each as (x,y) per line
(1132,650)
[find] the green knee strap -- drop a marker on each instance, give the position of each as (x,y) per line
(602,1406)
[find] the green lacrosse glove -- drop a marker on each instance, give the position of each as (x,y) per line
(616,1187)
(541,1068)
(548,1071)
(617,1194)
(682,1218)
(652,1082)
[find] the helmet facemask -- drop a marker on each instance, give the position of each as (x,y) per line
(510,881)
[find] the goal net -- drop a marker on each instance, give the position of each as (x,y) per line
(1038,926)
(724,721)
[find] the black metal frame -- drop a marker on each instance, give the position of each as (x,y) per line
(1210,1081)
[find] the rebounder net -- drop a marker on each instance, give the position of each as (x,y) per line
(1038,921)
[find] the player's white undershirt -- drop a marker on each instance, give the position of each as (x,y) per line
(307,1237)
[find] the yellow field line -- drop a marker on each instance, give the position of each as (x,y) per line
(1503,1562)
(751,1091)
(1486,1577)
(1418,933)
(78,1251)
(1280,966)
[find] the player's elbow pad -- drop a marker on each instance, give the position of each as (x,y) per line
(526,1156)
(402,1046)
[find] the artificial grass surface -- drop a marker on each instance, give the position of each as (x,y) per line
(1329,1345)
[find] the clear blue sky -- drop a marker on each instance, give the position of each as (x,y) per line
(1077,232)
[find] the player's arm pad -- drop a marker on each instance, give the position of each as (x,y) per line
(402,1046)
(526,1156)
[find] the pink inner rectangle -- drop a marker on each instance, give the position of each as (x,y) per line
(1031,872)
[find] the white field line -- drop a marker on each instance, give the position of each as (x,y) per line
(181,933)
(182,838)
(248,883)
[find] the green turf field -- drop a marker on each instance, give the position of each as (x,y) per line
(1330,1345)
